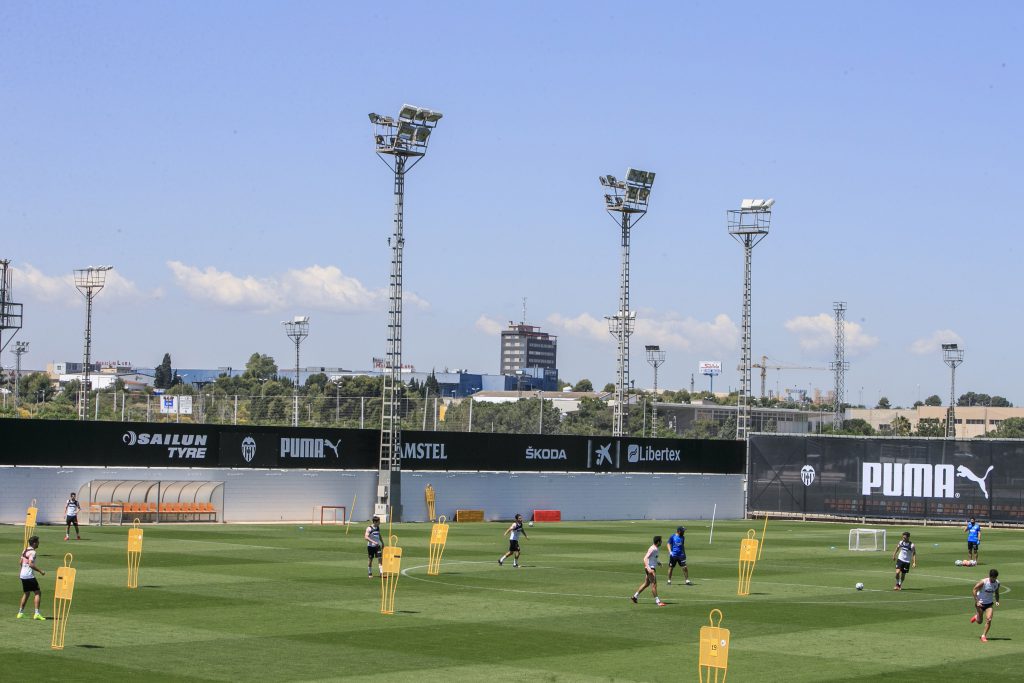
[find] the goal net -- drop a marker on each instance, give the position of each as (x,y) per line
(331,514)
(867,539)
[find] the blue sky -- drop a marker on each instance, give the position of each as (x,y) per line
(218,155)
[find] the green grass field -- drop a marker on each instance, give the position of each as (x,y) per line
(223,603)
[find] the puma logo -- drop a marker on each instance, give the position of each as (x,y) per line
(333,446)
(966,473)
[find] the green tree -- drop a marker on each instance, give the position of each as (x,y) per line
(593,416)
(609,388)
(901,426)
(1010,428)
(584,385)
(1000,402)
(883,403)
(931,426)
(260,367)
(36,387)
(163,374)
(933,400)
(857,427)
(431,386)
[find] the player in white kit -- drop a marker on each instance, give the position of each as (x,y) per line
(986,598)
(650,573)
(905,557)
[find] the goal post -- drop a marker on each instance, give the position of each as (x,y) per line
(330,514)
(867,539)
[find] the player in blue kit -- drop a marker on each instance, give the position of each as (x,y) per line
(677,554)
(973,531)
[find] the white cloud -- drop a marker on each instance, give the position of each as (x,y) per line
(933,344)
(671,331)
(322,288)
(817,333)
(61,289)
(488,326)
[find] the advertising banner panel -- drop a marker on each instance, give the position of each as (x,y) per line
(886,477)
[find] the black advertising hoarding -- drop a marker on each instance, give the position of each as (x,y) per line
(885,477)
(114,444)
(147,444)
(305,448)
(544,453)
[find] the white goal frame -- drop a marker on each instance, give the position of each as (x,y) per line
(873,535)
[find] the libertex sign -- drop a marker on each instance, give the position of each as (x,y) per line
(917,480)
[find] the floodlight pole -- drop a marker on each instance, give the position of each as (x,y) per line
(20,348)
(628,198)
(839,365)
(10,312)
(656,358)
(748,225)
(297,329)
(89,281)
(399,139)
(953,356)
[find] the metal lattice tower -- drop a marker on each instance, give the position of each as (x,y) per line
(20,349)
(399,139)
(953,356)
(297,329)
(628,198)
(10,312)
(656,358)
(89,282)
(839,366)
(748,225)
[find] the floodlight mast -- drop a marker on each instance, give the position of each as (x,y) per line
(748,225)
(89,281)
(399,139)
(629,198)
(20,349)
(839,365)
(953,356)
(10,312)
(656,358)
(297,329)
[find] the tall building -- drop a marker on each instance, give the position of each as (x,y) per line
(525,346)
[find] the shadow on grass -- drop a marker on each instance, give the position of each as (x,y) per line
(91,647)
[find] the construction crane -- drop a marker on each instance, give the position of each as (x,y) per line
(777,365)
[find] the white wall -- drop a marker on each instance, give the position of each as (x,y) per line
(289,495)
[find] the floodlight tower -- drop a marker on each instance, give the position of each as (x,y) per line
(10,312)
(297,329)
(20,349)
(399,139)
(839,365)
(629,199)
(952,355)
(89,282)
(748,225)
(656,358)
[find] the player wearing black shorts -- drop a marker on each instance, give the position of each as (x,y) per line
(513,541)
(905,557)
(71,509)
(29,584)
(374,546)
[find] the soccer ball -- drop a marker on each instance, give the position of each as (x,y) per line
(531,523)
(859,586)
(959,563)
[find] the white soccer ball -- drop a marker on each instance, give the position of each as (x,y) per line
(959,563)
(531,523)
(859,586)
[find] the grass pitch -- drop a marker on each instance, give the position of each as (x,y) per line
(276,603)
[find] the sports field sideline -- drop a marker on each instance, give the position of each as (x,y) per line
(278,603)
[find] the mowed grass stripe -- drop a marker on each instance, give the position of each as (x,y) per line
(220,603)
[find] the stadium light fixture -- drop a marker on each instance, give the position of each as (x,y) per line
(89,281)
(297,329)
(396,142)
(952,356)
(748,225)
